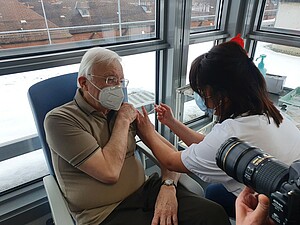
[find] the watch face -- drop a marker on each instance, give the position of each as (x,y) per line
(168,182)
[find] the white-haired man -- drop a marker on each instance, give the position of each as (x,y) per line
(92,141)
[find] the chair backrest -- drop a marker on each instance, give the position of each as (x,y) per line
(45,96)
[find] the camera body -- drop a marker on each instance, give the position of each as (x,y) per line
(264,174)
(285,202)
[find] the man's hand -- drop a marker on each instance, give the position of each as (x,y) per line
(144,125)
(252,209)
(166,207)
(127,112)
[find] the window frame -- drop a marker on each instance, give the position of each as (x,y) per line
(172,73)
(45,56)
(48,56)
(171,51)
(166,47)
(253,32)
(171,47)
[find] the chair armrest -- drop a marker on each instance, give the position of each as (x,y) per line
(60,213)
(185,180)
(147,152)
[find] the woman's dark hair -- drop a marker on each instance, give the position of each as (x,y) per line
(232,77)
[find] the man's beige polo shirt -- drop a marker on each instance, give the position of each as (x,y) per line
(75,131)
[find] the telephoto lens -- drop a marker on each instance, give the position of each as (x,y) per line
(251,166)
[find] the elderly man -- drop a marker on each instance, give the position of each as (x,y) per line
(92,141)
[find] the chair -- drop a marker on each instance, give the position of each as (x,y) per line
(43,97)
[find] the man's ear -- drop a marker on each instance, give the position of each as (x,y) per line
(82,82)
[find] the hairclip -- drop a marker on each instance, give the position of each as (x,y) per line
(237,39)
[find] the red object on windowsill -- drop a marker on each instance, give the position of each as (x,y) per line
(237,39)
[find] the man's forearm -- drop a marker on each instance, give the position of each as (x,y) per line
(106,163)
(115,150)
(167,174)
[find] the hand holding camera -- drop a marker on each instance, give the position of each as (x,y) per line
(266,175)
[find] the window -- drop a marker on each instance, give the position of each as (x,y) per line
(19,145)
(33,23)
(190,110)
(278,13)
(196,50)
(205,15)
(207,24)
(276,35)
(281,60)
(22,169)
(140,70)
(18,129)
(48,38)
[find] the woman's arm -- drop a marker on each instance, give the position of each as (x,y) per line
(187,135)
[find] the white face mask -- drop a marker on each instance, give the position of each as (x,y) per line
(109,97)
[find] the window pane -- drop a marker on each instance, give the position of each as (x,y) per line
(30,23)
(278,14)
(191,110)
(18,134)
(22,169)
(140,70)
(196,50)
(281,60)
(18,130)
(13,92)
(204,15)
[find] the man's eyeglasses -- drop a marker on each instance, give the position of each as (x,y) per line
(112,80)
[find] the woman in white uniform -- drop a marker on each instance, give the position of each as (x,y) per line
(230,86)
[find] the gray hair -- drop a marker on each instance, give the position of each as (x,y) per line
(94,56)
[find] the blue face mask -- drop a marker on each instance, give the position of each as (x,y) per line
(201,104)
(125,94)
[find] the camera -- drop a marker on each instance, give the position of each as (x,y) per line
(266,175)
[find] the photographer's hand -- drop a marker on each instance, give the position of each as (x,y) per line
(252,208)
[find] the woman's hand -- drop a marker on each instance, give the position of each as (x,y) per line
(164,114)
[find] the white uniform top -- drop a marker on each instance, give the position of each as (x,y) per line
(283,143)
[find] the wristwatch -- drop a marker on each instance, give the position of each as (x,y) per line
(168,182)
